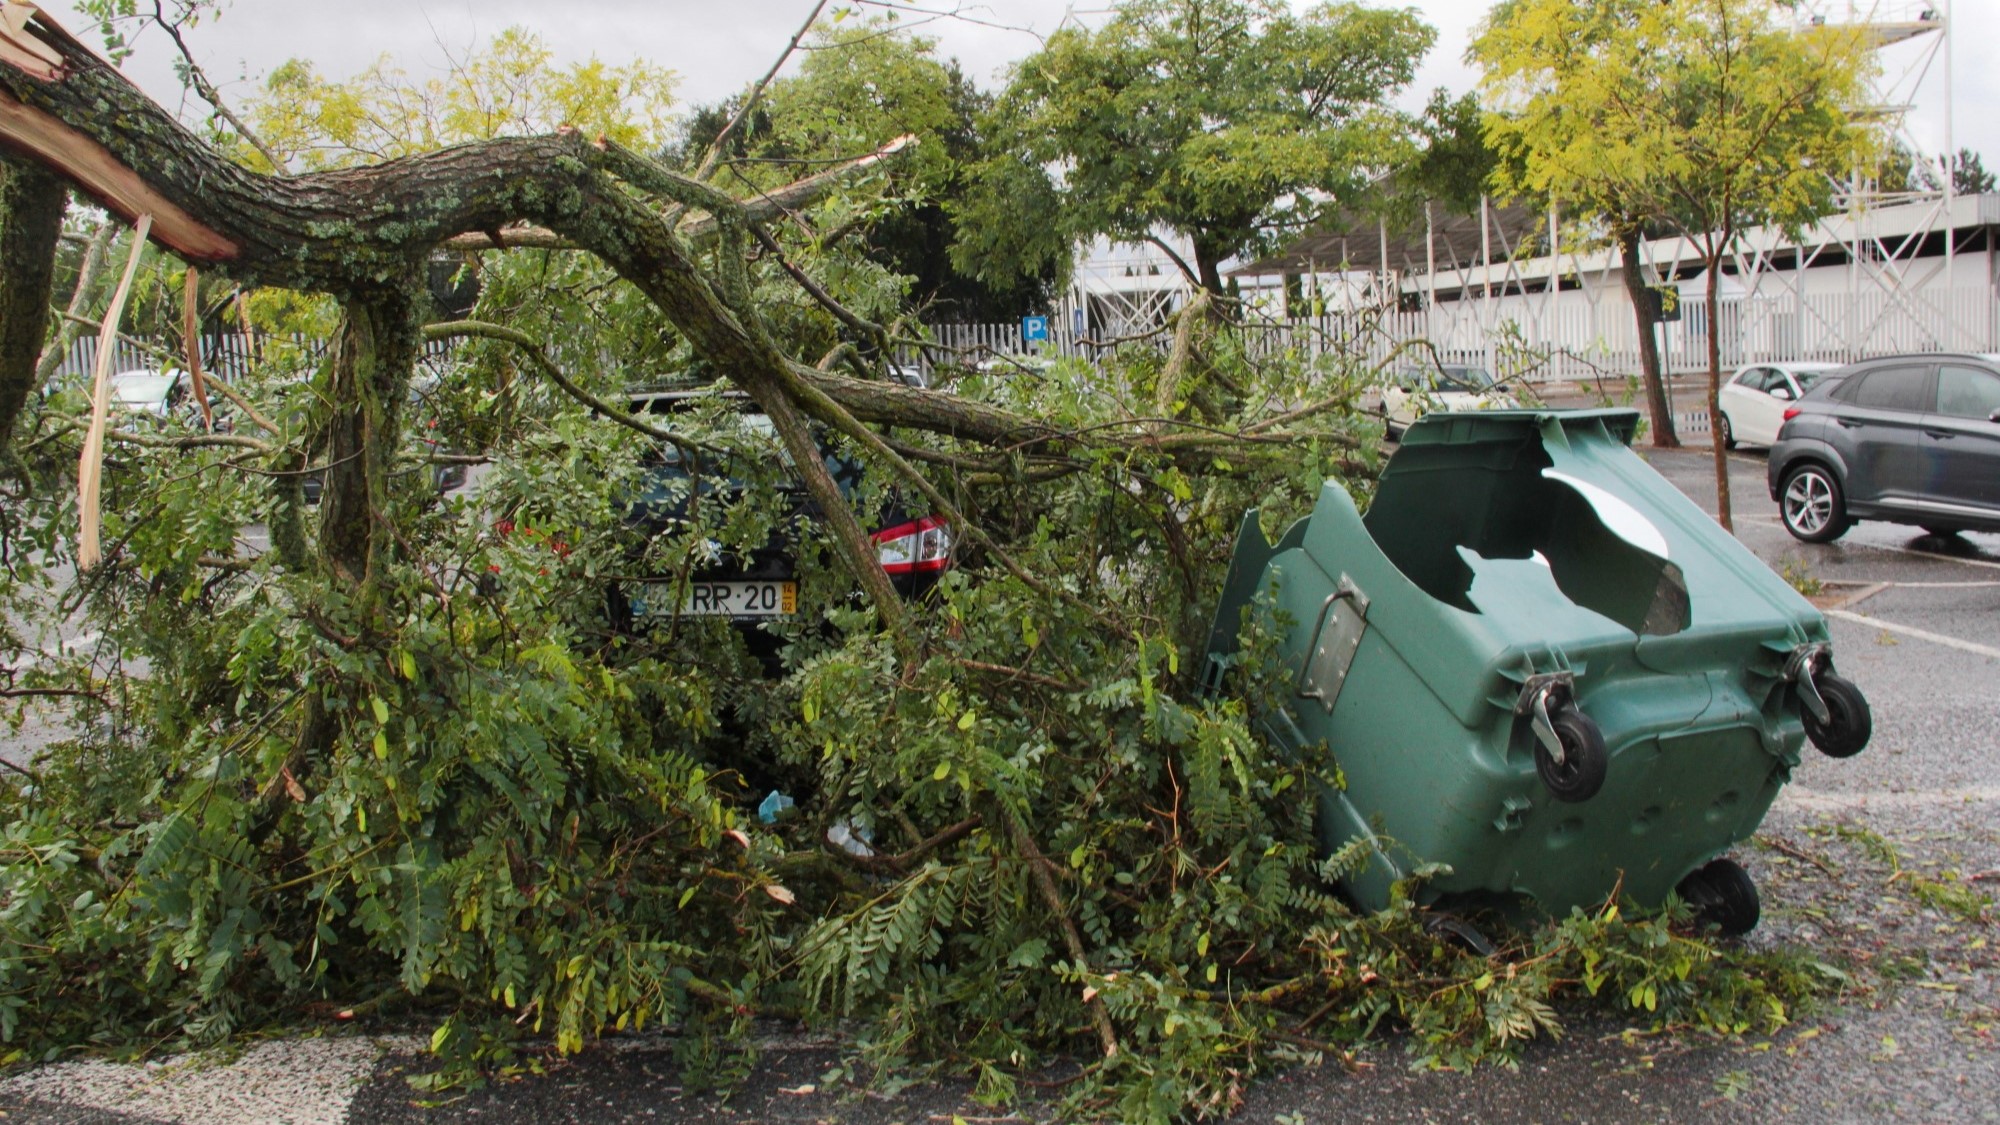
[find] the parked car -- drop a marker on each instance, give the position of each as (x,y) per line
(1416,391)
(915,549)
(1755,398)
(155,394)
(1909,439)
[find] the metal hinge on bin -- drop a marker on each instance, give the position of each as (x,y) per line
(1343,618)
(1806,662)
(1540,695)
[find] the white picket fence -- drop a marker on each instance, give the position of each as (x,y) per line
(1571,335)
(229,355)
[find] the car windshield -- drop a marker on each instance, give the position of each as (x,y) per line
(1464,378)
(1454,378)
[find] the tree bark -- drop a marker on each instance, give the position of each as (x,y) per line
(32,202)
(1642,299)
(366,380)
(1209,269)
(1713,300)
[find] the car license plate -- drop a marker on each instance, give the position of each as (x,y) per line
(721,599)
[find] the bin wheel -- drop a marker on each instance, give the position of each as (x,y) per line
(1580,774)
(1848,719)
(1442,925)
(1722,896)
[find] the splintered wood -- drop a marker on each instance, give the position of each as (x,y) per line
(90,470)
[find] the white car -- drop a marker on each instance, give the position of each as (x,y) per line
(1451,387)
(1755,399)
(157,393)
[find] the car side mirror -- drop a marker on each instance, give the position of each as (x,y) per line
(1993,417)
(1782,393)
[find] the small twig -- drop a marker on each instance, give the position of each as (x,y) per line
(547,366)
(714,154)
(1801,854)
(1015,674)
(49,693)
(209,93)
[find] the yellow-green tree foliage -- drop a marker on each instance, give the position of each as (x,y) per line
(1708,115)
(510,87)
(1703,113)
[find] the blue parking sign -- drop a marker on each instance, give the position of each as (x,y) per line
(1034,328)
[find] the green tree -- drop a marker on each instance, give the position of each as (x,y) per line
(1968,172)
(861,86)
(1223,121)
(509,88)
(1708,115)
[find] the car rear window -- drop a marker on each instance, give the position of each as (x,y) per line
(1892,388)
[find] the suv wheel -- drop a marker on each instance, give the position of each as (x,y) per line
(1812,506)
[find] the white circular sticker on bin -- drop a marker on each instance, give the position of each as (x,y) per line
(1622,519)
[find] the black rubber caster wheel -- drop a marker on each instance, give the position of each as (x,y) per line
(1722,896)
(1453,928)
(1580,774)
(1848,724)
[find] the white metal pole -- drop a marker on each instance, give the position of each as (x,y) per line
(1430,255)
(1486,273)
(1950,155)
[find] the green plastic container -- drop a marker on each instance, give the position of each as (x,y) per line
(1538,663)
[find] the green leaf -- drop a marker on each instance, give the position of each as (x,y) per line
(381,708)
(942,771)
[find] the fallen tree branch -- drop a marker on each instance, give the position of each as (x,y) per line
(479,329)
(193,441)
(900,864)
(1045,884)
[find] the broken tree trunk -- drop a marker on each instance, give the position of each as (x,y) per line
(32,201)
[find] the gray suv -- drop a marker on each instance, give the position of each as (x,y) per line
(1909,439)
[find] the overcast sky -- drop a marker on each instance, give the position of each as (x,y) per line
(720,46)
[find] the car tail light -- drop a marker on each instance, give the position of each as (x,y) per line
(915,548)
(1792,413)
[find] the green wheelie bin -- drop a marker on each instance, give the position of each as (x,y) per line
(1538,664)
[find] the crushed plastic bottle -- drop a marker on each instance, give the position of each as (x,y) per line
(775,807)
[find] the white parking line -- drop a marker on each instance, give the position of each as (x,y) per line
(1913,631)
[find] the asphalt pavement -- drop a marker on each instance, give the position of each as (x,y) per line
(1850,861)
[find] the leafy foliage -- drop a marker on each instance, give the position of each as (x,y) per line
(536,818)
(508,88)
(1223,120)
(861,86)
(495,794)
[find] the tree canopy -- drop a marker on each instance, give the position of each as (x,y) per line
(861,85)
(1707,115)
(1225,121)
